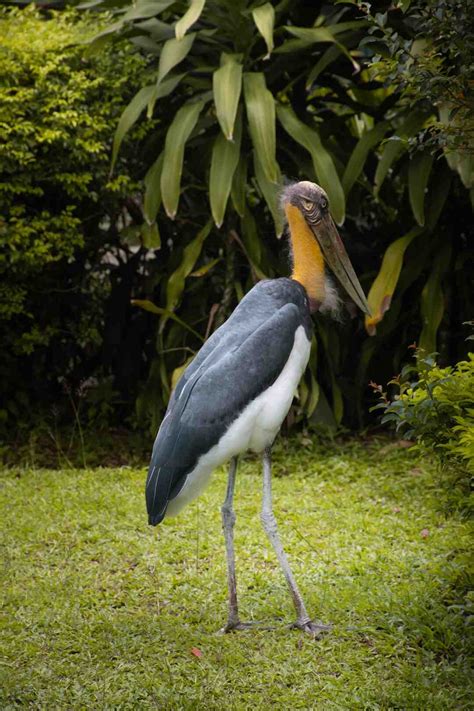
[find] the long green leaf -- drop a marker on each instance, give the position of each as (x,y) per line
(396,145)
(311,35)
(391,151)
(418,175)
(225,157)
(202,271)
(151,235)
(359,155)
(191,16)
(152,199)
(227,85)
(154,309)
(264,18)
(432,303)
(270,191)
(176,137)
(332,350)
(250,237)
(260,107)
(439,191)
(239,184)
(156,29)
(162,89)
(324,167)
(173,52)
(129,116)
(146,8)
(329,56)
(381,291)
(175,285)
(462,162)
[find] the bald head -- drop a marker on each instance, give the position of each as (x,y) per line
(308,197)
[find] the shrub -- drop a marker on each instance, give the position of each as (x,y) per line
(435,407)
(58,113)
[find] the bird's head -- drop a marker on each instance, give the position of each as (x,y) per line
(306,206)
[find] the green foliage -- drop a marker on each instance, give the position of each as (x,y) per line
(102,611)
(58,113)
(435,406)
(214,105)
(428,51)
(307,96)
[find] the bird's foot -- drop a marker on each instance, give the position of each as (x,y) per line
(314,629)
(236,626)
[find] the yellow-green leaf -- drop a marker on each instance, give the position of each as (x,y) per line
(152,200)
(173,52)
(151,235)
(264,18)
(129,116)
(381,291)
(227,85)
(154,309)
(177,372)
(313,397)
(175,286)
(176,137)
(202,271)
(270,191)
(260,107)
(418,175)
(323,163)
(239,184)
(191,16)
(359,155)
(225,157)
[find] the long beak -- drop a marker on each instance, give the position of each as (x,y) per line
(336,257)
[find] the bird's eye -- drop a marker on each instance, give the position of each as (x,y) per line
(324,204)
(308,204)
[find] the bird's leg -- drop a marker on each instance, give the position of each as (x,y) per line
(303,620)
(228,521)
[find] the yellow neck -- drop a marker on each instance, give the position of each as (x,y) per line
(308,261)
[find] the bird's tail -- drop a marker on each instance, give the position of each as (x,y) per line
(156,502)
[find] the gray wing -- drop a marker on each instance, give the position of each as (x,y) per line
(225,377)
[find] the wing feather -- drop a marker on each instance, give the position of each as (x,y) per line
(241,360)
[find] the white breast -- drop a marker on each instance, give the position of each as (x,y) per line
(255,428)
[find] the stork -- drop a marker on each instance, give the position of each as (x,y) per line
(237,391)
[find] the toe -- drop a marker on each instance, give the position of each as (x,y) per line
(314,629)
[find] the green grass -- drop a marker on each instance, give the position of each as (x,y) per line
(101,611)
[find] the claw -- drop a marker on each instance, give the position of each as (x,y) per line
(314,629)
(236,626)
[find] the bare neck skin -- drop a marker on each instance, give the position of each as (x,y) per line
(308,261)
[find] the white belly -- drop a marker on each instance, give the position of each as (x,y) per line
(255,428)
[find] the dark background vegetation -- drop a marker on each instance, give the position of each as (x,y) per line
(374,103)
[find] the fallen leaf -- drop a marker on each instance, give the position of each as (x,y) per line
(425,533)
(197,652)
(396,509)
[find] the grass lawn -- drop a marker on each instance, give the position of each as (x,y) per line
(101,611)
